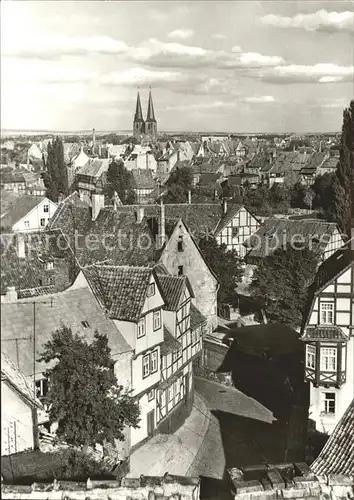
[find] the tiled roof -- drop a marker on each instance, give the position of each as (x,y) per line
(275,232)
(120,289)
(335,265)
(143,179)
(29,275)
(314,161)
(18,209)
(12,177)
(332,333)
(197,318)
(11,373)
(128,242)
(259,160)
(330,163)
(70,308)
(94,168)
(232,210)
(200,218)
(170,343)
(172,288)
(71,149)
(337,456)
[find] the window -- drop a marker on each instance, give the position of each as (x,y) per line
(180,270)
(326,317)
(151,290)
(26,223)
(42,387)
(154,363)
(176,355)
(146,365)
(157,320)
(170,393)
(329,359)
(161,362)
(46,208)
(180,246)
(151,395)
(141,328)
(49,265)
(234,232)
(85,324)
(329,402)
(310,356)
(42,222)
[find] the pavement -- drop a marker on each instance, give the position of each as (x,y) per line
(173,453)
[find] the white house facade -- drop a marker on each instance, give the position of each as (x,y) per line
(329,341)
(37,218)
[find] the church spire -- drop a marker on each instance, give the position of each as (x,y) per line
(150,113)
(138,117)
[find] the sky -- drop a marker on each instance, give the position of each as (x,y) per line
(233,66)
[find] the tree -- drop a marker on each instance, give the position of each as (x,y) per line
(308,198)
(297,194)
(121,181)
(282,280)
(322,187)
(84,397)
(343,184)
(56,176)
(178,185)
(226,266)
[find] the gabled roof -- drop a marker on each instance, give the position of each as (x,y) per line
(20,207)
(14,376)
(94,168)
(276,232)
(143,179)
(77,309)
(333,267)
(231,212)
(337,456)
(330,163)
(120,289)
(172,288)
(259,160)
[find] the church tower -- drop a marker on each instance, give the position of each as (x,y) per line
(138,123)
(151,123)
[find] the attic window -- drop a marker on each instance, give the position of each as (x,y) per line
(180,270)
(85,324)
(180,245)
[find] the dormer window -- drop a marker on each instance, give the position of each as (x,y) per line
(326,313)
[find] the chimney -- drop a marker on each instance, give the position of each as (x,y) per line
(189,196)
(161,235)
(93,139)
(224,205)
(11,294)
(97,201)
(140,214)
(20,246)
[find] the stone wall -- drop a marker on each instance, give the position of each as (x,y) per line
(143,488)
(288,481)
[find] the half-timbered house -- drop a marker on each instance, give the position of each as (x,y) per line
(235,227)
(183,330)
(329,338)
(92,178)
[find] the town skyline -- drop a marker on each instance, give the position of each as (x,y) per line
(81,70)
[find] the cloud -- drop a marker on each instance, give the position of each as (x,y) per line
(39,73)
(319,73)
(56,47)
(181,34)
(176,55)
(322,20)
(264,99)
(139,76)
(218,36)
